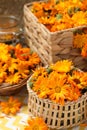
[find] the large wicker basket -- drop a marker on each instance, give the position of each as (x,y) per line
(57,116)
(7,89)
(51,46)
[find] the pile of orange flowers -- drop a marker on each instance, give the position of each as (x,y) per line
(60,82)
(16,63)
(80,41)
(12,106)
(61,14)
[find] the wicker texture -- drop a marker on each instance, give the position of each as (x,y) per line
(51,46)
(7,89)
(55,115)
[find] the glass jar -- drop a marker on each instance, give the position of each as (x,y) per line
(10,29)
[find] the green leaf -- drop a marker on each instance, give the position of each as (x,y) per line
(12,52)
(76,9)
(31,84)
(49,70)
(57,2)
(70,12)
(79,31)
(59,16)
(31,52)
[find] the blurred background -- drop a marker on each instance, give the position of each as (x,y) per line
(13,7)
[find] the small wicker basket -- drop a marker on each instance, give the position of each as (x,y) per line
(51,46)
(57,116)
(7,89)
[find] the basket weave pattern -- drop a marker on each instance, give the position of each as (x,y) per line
(51,46)
(55,115)
(7,89)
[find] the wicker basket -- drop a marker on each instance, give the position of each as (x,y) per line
(57,116)
(7,89)
(51,46)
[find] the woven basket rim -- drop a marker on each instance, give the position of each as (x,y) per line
(7,89)
(60,31)
(49,101)
(5,86)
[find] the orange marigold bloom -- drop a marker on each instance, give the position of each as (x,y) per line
(70,10)
(22,53)
(84,5)
(33,59)
(16,63)
(78,79)
(12,106)
(40,84)
(58,89)
(62,66)
(79,18)
(84,51)
(13,78)
(74,93)
(36,123)
(60,82)
(39,72)
(80,40)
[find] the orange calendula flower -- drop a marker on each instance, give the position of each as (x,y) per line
(40,83)
(36,123)
(39,72)
(79,40)
(33,59)
(13,78)
(82,18)
(74,93)
(58,89)
(59,82)
(62,66)
(64,13)
(12,106)
(78,79)
(84,51)
(16,63)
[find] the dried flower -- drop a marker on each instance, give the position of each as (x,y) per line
(16,63)
(12,106)
(36,123)
(61,14)
(80,41)
(60,82)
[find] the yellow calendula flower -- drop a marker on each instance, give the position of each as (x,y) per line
(79,18)
(62,66)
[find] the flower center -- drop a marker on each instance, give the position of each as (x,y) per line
(10,105)
(35,127)
(57,89)
(77,81)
